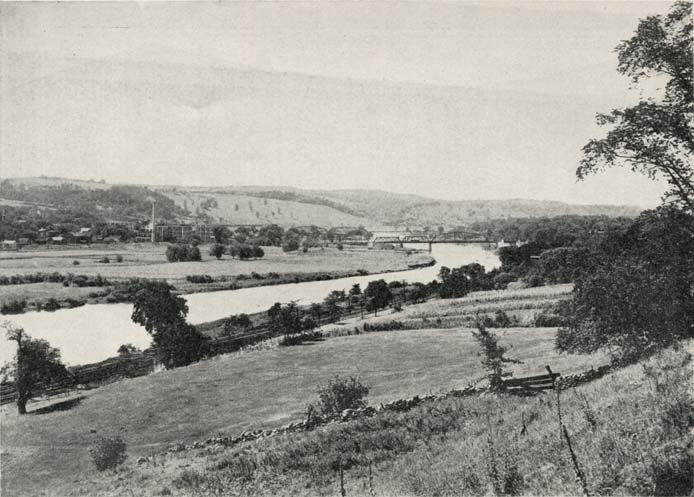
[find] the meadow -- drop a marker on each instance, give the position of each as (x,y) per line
(147,261)
(249,390)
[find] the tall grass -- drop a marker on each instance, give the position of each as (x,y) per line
(638,443)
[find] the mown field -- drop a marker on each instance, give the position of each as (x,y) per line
(146,261)
(47,453)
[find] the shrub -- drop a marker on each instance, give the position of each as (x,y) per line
(258,252)
(105,260)
(290,245)
(119,258)
(341,247)
(108,452)
(182,253)
(217,250)
(13,307)
(200,278)
(384,326)
(51,305)
(500,320)
(73,302)
(75,263)
(494,357)
(289,340)
(339,394)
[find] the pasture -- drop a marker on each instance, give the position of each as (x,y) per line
(248,390)
(147,261)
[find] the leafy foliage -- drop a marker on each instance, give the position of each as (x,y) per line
(494,357)
(655,138)
(640,297)
(378,295)
(36,363)
(163,315)
(108,452)
(339,394)
(182,253)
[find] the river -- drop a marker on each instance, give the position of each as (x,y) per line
(92,333)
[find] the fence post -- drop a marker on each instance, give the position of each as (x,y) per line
(343,493)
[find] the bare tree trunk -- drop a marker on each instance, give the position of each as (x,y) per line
(22,404)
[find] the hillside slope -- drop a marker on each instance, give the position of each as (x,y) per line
(289,206)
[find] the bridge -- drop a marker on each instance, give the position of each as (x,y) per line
(457,236)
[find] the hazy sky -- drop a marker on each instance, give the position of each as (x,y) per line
(450,100)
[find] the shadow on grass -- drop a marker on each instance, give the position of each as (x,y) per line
(65,405)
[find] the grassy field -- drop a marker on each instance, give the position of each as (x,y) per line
(146,261)
(246,390)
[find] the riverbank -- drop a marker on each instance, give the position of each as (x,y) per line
(208,275)
(265,388)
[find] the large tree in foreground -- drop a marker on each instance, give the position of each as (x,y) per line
(163,315)
(36,364)
(655,137)
(638,295)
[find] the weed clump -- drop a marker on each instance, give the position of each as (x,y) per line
(108,452)
(339,394)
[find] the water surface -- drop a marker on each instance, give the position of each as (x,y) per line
(92,333)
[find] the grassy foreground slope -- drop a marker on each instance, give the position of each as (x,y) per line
(242,391)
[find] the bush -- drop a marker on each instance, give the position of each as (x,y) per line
(290,245)
(51,305)
(200,278)
(341,247)
(339,394)
(105,260)
(182,253)
(500,320)
(119,258)
(108,453)
(75,263)
(13,307)
(289,340)
(217,250)
(384,326)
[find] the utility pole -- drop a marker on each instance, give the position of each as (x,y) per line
(153,229)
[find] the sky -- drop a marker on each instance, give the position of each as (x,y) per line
(449,100)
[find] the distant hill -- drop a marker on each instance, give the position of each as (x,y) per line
(289,206)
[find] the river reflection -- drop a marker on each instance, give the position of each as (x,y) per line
(94,332)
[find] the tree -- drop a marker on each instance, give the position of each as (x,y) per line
(316,310)
(494,357)
(221,234)
(272,234)
(237,321)
(36,364)
(217,250)
(454,283)
(640,296)
(654,137)
(127,349)
(332,305)
(339,394)
(163,315)
(378,295)
(285,319)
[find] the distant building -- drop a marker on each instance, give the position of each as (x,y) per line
(84,235)
(9,245)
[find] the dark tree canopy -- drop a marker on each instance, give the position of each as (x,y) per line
(378,295)
(35,364)
(655,137)
(163,315)
(639,295)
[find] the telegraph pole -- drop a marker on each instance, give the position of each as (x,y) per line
(153,229)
